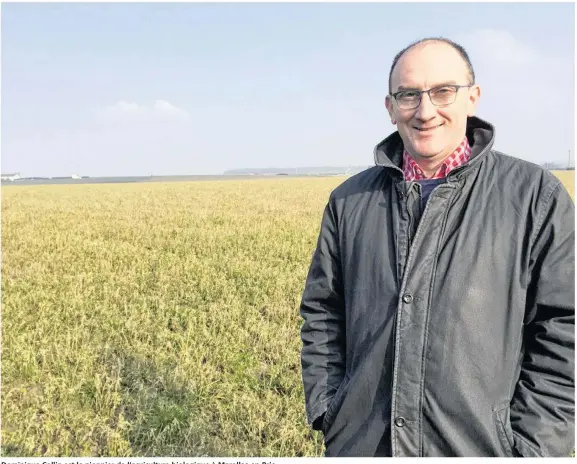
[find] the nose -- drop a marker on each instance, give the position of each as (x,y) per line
(426,110)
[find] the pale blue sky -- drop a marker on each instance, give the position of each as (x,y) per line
(138,89)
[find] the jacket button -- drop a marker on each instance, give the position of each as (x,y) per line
(408,298)
(400,421)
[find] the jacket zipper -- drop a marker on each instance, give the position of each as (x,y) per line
(409,229)
(410,236)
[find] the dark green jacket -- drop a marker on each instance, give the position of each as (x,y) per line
(448,331)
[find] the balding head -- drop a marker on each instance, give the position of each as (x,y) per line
(439,41)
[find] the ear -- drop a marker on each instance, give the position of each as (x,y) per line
(389,106)
(473,100)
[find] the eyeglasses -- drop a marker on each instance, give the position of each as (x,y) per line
(440,96)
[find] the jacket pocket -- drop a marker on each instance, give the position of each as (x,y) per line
(335,404)
(504,430)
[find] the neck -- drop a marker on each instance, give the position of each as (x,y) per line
(429,165)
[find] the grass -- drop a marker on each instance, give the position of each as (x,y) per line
(156,319)
(568,179)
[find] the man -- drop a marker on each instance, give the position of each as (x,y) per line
(439,305)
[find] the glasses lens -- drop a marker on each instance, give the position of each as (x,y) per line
(408,100)
(443,95)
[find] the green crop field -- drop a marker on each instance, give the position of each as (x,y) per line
(157,319)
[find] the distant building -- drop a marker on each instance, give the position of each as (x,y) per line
(554,166)
(11,177)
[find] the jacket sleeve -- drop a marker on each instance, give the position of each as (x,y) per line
(323,331)
(543,405)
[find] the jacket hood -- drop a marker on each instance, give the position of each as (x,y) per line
(481,135)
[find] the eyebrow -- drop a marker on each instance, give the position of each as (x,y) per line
(440,84)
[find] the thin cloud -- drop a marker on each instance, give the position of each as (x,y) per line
(161,110)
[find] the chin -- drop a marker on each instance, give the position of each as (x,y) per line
(427,150)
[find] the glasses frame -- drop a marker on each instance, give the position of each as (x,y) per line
(428,92)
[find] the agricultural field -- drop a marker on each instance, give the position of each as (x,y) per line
(568,179)
(157,319)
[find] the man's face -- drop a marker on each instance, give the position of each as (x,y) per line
(431,131)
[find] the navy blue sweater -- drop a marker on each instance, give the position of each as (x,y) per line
(427,186)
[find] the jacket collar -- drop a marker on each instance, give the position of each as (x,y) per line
(481,135)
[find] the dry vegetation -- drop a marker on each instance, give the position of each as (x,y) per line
(568,179)
(157,319)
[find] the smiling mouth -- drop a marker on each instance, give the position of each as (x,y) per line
(427,129)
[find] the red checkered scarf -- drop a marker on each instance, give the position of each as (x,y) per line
(459,157)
